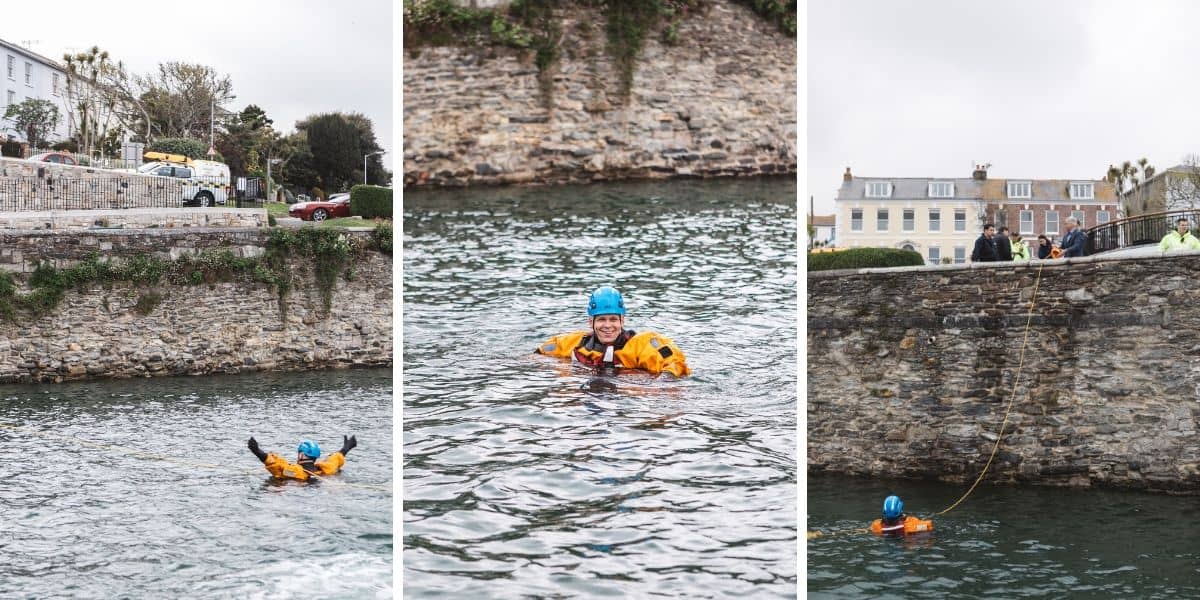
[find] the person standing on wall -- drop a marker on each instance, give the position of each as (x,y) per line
(985,245)
(1179,238)
(1020,252)
(1072,243)
(1003,248)
(1044,247)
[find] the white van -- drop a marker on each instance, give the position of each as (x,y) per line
(203,182)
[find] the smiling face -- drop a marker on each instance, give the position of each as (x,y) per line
(607,327)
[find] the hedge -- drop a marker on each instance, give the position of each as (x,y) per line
(864,258)
(191,148)
(370,201)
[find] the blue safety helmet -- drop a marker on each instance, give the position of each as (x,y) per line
(892,507)
(310,449)
(606,301)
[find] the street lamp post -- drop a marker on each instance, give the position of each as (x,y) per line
(365,164)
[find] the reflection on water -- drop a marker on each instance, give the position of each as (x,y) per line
(527,476)
(141,489)
(1003,542)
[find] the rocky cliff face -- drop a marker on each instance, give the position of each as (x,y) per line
(910,373)
(722,102)
(115,330)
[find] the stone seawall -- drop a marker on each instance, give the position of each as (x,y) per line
(720,103)
(100,331)
(910,372)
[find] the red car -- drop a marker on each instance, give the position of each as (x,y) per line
(60,158)
(338,205)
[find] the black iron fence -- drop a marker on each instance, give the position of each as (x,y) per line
(1141,230)
(32,193)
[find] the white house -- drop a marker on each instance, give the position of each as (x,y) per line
(26,74)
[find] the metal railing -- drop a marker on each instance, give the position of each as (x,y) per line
(1141,230)
(30,193)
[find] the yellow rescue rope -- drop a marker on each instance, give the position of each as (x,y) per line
(152,456)
(995,447)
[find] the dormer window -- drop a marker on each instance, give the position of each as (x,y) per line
(941,189)
(1082,191)
(1020,189)
(879,189)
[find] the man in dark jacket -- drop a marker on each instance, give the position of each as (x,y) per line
(985,246)
(1072,243)
(1003,247)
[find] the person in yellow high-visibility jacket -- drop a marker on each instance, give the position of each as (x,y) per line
(1179,238)
(610,345)
(308,460)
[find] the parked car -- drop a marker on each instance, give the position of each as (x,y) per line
(58,158)
(338,205)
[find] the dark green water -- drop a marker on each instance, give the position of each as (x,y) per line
(80,521)
(1003,542)
(525,477)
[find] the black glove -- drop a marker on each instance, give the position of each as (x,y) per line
(253,446)
(348,444)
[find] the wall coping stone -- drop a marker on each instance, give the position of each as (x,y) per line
(1018,266)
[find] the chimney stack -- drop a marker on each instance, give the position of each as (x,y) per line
(980,171)
(847,176)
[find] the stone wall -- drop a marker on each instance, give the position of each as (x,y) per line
(97,332)
(910,372)
(134,218)
(26,186)
(720,103)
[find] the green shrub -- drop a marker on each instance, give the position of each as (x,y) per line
(864,258)
(271,221)
(193,149)
(381,238)
(370,201)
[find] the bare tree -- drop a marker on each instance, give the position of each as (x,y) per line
(1183,184)
(179,98)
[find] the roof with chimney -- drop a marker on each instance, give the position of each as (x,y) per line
(976,187)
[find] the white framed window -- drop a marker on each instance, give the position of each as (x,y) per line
(960,255)
(12,97)
(28,73)
(879,189)
(941,189)
(881,219)
(1078,214)
(910,219)
(1020,189)
(856,219)
(935,255)
(1102,217)
(1082,191)
(960,219)
(1027,222)
(935,219)
(55,84)
(1051,221)
(12,68)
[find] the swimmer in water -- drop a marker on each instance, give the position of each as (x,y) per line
(610,346)
(308,460)
(895,522)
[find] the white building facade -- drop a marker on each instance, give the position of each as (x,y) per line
(24,74)
(937,217)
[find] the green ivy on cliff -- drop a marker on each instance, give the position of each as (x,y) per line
(532,24)
(327,251)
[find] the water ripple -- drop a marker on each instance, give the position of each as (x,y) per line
(525,476)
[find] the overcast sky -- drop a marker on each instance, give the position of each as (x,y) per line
(291,58)
(1045,89)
